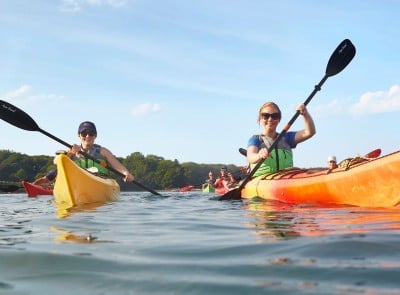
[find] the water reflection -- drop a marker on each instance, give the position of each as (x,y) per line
(276,220)
(65,210)
(75,235)
(64,235)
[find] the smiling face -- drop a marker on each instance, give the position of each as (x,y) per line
(269,116)
(87,138)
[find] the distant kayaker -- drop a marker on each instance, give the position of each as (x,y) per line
(223,179)
(87,134)
(232,182)
(281,157)
(209,180)
(332,164)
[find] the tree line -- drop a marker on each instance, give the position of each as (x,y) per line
(151,170)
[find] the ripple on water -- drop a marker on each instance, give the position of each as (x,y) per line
(189,244)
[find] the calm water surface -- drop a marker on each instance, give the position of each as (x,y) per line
(188,243)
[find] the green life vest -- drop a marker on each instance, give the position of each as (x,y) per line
(281,157)
(88,163)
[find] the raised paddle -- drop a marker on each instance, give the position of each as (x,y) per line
(373,154)
(339,59)
(243,151)
(20,119)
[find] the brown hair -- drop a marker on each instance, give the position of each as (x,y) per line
(267,104)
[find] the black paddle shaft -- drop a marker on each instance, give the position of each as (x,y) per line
(20,119)
(86,155)
(339,59)
(283,132)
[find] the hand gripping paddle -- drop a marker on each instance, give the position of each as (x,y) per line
(22,120)
(339,59)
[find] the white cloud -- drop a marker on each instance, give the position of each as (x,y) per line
(70,6)
(113,3)
(334,107)
(76,5)
(369,103)
(378,102)
(25,93)
(19,93)
(145,108)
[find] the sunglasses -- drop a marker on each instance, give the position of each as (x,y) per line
(90,133)
(274,116)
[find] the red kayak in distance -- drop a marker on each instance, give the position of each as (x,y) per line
(34,190)
(186,188)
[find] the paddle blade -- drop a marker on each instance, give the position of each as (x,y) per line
(243,151)
(17,117)
(374,154)
(340,58)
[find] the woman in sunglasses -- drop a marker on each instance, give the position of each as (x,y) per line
(281,157)
(87,134)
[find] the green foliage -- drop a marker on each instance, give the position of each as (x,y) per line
(16,166)
(151,170)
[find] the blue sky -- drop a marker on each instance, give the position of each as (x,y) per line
(185,79)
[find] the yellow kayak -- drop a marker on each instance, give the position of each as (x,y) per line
(75,186)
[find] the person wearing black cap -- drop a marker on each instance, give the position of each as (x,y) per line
(87,134)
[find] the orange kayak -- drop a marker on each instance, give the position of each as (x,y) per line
(34,190)
(361,182)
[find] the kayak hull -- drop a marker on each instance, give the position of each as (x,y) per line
(221,190)
(34,190)
(76,186)
(368,183)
